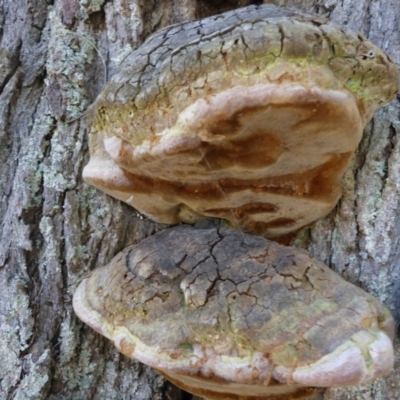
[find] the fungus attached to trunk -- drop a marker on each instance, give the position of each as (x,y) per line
(251,116)
(225,314)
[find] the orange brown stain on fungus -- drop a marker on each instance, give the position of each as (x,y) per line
(127,348)
(255,126)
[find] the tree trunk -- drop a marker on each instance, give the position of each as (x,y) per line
(55,58)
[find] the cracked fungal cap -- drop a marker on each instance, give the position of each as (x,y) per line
(251,116)
(227,315)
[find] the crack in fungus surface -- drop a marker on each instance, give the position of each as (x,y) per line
(250,117)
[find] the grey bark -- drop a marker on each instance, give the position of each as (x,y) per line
(54,59)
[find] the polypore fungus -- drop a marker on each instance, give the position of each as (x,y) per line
(251,116)
(228,315)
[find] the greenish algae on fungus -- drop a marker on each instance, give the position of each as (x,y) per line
(225,314)
(251,116)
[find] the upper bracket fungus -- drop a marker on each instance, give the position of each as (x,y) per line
(251,116)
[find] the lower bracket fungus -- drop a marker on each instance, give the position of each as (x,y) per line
(251,117)
(227,315)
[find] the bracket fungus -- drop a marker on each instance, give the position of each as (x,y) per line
(228,315)
(251,117)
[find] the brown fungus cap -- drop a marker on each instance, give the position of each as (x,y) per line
(251,116)
(225,314)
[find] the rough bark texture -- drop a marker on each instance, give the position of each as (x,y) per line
(55,58)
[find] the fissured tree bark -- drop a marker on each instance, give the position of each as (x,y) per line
(55,56)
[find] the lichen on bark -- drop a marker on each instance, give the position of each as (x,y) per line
(90,228)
